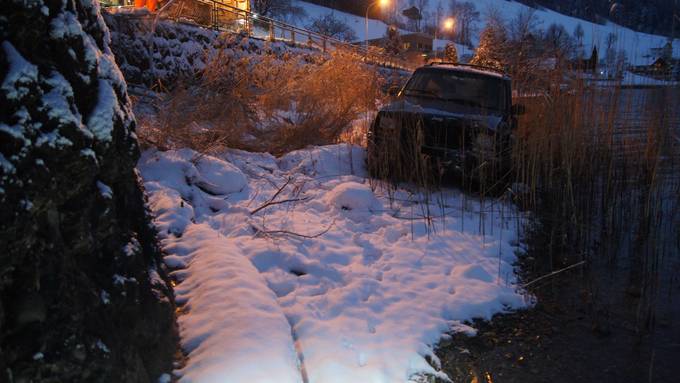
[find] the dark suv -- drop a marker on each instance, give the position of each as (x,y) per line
(456,117)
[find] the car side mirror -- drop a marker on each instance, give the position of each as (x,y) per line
(518,109)
(393,91)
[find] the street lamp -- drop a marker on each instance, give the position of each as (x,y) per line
(449,23)
(382,4)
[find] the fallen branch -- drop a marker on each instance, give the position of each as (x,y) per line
(553,273)
(277,203)
(286,232)
(269,201)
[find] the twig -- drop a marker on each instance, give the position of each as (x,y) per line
(553,273)
(277,232)
(269,201)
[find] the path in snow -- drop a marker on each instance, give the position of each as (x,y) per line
(360,295)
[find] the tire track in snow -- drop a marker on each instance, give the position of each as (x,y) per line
(298,349)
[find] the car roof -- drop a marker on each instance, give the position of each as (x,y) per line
(467,68)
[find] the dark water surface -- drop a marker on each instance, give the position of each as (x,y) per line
(616,318)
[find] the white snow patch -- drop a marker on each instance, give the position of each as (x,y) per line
(105,190)
(100,121)
(57,101)
(105,297)
(53,139)
(65,24)
(87,152)
(326,161)
(352,196)
(6,166)
(131,248)
(19,74)
(219,176)
(100,345)
(306,282)
(121,280)
(234,329)
(16,131)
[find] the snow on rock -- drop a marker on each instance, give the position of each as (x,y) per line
(352,196)
(223,177)
(307,290)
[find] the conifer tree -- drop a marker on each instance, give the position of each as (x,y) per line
(393,41)
(491,49)
(450,53)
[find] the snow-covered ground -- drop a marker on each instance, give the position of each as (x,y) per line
(637,45)
(293,269)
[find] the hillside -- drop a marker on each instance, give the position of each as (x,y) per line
(637,45)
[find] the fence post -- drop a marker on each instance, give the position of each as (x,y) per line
(310,42)
(292,36)
(214,16)
(272,36)
(324,44)
(249,23)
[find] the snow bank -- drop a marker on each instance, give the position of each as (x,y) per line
(306,274)
(232,326)
(326,161)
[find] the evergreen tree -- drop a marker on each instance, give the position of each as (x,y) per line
(491,49)
(450,53)
(393,41)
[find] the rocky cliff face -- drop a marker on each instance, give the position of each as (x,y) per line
(82,293)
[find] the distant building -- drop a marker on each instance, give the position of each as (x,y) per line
(414,47)
(665,52)
(664,66)
(410,42)
(587,65)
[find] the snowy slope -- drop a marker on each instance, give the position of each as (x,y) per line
(637,45)
(336,285)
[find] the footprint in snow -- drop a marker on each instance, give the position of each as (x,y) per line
(371,254)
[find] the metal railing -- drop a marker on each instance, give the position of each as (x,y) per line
(219,15)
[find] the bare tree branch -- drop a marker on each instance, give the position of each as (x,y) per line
(259,231)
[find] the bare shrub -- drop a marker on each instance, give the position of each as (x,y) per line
(270,102)
(330,25)
(317,103)
(213,109)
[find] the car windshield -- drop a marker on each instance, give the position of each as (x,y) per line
(465,88)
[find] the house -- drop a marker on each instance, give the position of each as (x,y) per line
(661,68)
(414,47)
(665,52)
(586,65)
